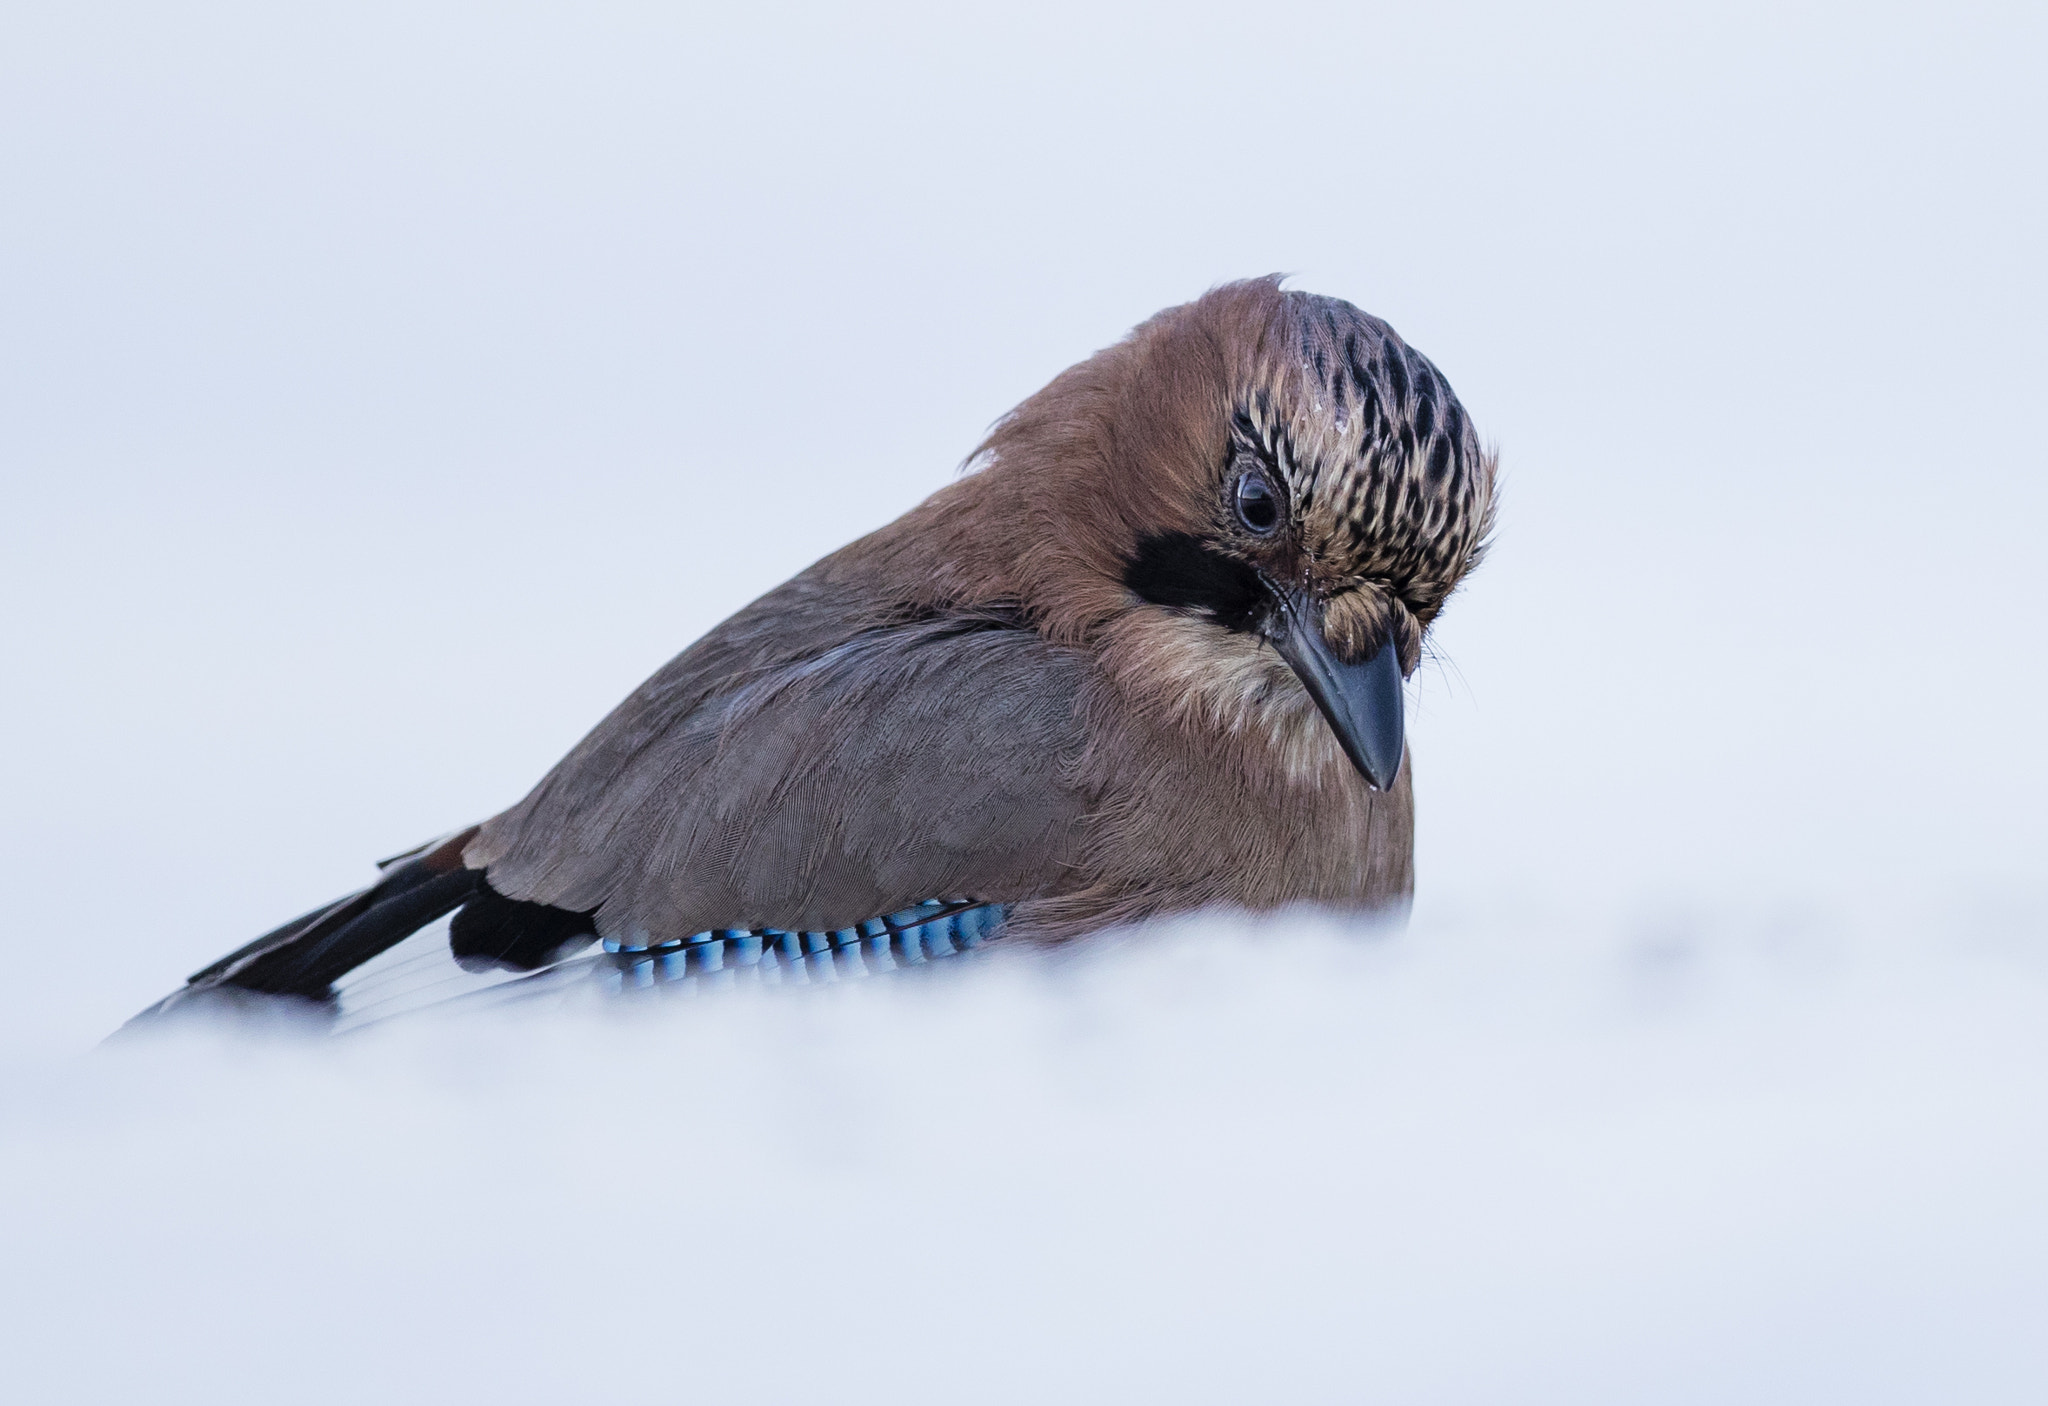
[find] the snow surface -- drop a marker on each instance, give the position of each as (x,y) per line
(1751,1160)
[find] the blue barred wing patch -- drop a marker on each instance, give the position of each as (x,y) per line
(419,974)
(931,931)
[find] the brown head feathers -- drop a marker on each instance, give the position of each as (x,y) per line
(1115,488)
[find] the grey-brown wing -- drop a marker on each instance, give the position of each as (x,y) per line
(893,765)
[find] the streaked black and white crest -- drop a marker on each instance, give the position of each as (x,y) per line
(1383,468)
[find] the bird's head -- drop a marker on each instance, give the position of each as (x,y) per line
(1255,490)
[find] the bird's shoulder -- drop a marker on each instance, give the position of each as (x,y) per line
(824,755)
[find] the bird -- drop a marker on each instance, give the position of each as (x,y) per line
(1144,656)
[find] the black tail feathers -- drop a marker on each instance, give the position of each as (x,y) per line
(492,930)
(305,957)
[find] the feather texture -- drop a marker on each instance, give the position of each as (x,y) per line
(1052,687)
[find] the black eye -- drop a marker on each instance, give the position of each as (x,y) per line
(1257,508)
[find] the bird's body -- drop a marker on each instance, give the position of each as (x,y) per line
(1138,661)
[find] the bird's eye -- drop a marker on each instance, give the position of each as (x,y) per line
(1257,508)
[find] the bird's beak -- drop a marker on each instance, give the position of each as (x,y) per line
(1362,701)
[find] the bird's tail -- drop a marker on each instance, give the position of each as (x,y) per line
(303,958)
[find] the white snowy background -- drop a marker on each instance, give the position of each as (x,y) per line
(385,389)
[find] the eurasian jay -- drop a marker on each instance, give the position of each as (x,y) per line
(1145,656)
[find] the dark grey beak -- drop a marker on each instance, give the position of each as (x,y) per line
(1362,701)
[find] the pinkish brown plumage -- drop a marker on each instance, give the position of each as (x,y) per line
(1144,657)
